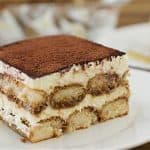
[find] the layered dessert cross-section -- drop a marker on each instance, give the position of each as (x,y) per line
(57,84)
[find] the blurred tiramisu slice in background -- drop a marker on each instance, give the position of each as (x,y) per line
(57,84)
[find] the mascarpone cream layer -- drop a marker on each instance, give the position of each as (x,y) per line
(76,73)
(89,100)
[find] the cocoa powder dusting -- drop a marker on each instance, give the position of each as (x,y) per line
(44,55)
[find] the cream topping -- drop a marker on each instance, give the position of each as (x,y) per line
(76,73)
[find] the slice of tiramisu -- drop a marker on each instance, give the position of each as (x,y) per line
(57,84)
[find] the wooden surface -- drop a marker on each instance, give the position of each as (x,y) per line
(136,11)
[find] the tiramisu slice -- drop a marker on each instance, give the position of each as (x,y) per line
(56,84)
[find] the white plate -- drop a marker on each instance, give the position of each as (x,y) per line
(134,38)
(125,132)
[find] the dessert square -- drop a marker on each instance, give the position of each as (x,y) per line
(58,84)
